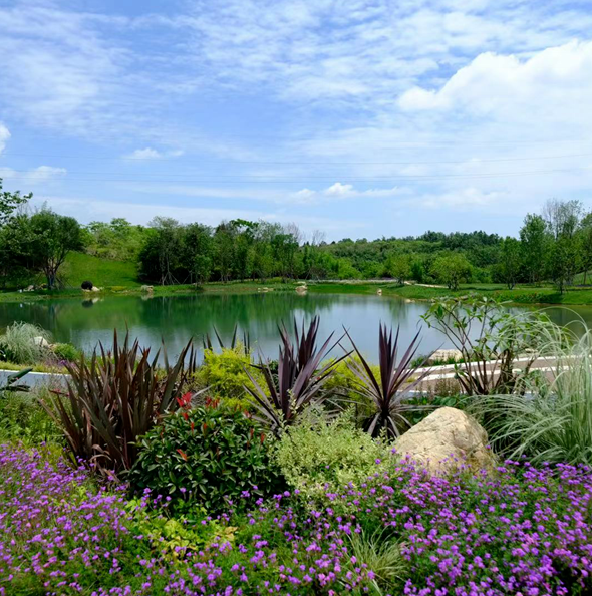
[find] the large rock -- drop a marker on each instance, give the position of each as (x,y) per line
(445,439)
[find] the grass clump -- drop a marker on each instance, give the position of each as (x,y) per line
(24,343)
(550,418)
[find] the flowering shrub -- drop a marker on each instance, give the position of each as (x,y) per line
(208,455)
(524,531)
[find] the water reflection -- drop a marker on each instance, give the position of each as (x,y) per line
(177,318)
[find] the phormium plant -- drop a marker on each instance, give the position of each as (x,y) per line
(299,379)
(388,393)
(115,398)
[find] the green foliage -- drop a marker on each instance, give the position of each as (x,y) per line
(511,262)
(23,420)
(317,456)
(118,240)
(46,240)
(224,374)
(388,392)
(207,455)
(489,339)
(452,270)
(534,241)
(398,266)
(550,420)
(24,343)
(10,202)
(115,398)
(298,381)
(381,553)
(66,352)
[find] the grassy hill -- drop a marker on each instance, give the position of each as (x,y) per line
(101,272)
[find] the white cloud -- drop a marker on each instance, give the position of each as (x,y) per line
(148,153)
(88,209)
(557,77)
(339,190)
(4,136)
(32,177)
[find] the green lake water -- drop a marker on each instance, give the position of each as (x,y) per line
(178,318)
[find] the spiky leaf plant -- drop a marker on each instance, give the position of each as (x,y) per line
(114,398)
(301,374)
(388,394)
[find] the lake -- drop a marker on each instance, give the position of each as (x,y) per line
(177,318)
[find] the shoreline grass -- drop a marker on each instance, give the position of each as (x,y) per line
(543,295)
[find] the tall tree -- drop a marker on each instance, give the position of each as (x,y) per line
(198,250)
(563,219)
(585,244)
(510,261)
(10,202)
(535,243)
(46,240)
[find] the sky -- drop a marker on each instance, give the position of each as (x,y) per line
(359,118)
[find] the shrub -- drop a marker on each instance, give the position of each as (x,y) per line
(224,375)
(115,398)
(23,419)
(318,456)
(551,421)
(66,352)
(24,343)
(207,455)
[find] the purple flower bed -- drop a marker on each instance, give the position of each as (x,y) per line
(525,531)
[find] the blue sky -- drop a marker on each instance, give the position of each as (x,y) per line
(361,118)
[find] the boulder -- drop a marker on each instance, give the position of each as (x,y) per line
(379,292)
(41,341)
(445,439)
(301,289)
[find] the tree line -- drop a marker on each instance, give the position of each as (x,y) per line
(554,245)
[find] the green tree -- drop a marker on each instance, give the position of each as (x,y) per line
(198,251)
(511,261)
(224,243)
(398,266)
(563,219)
(451,269)
(585,244)
(160,257)
(10,202)
(535,244)
(47,238)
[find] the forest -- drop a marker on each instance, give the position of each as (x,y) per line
(554,245)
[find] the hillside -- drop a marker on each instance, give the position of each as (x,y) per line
(101,272)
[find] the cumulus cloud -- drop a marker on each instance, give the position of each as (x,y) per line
(492,83)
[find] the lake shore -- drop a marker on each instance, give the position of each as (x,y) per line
(544,295)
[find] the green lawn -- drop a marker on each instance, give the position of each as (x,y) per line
(101,272)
